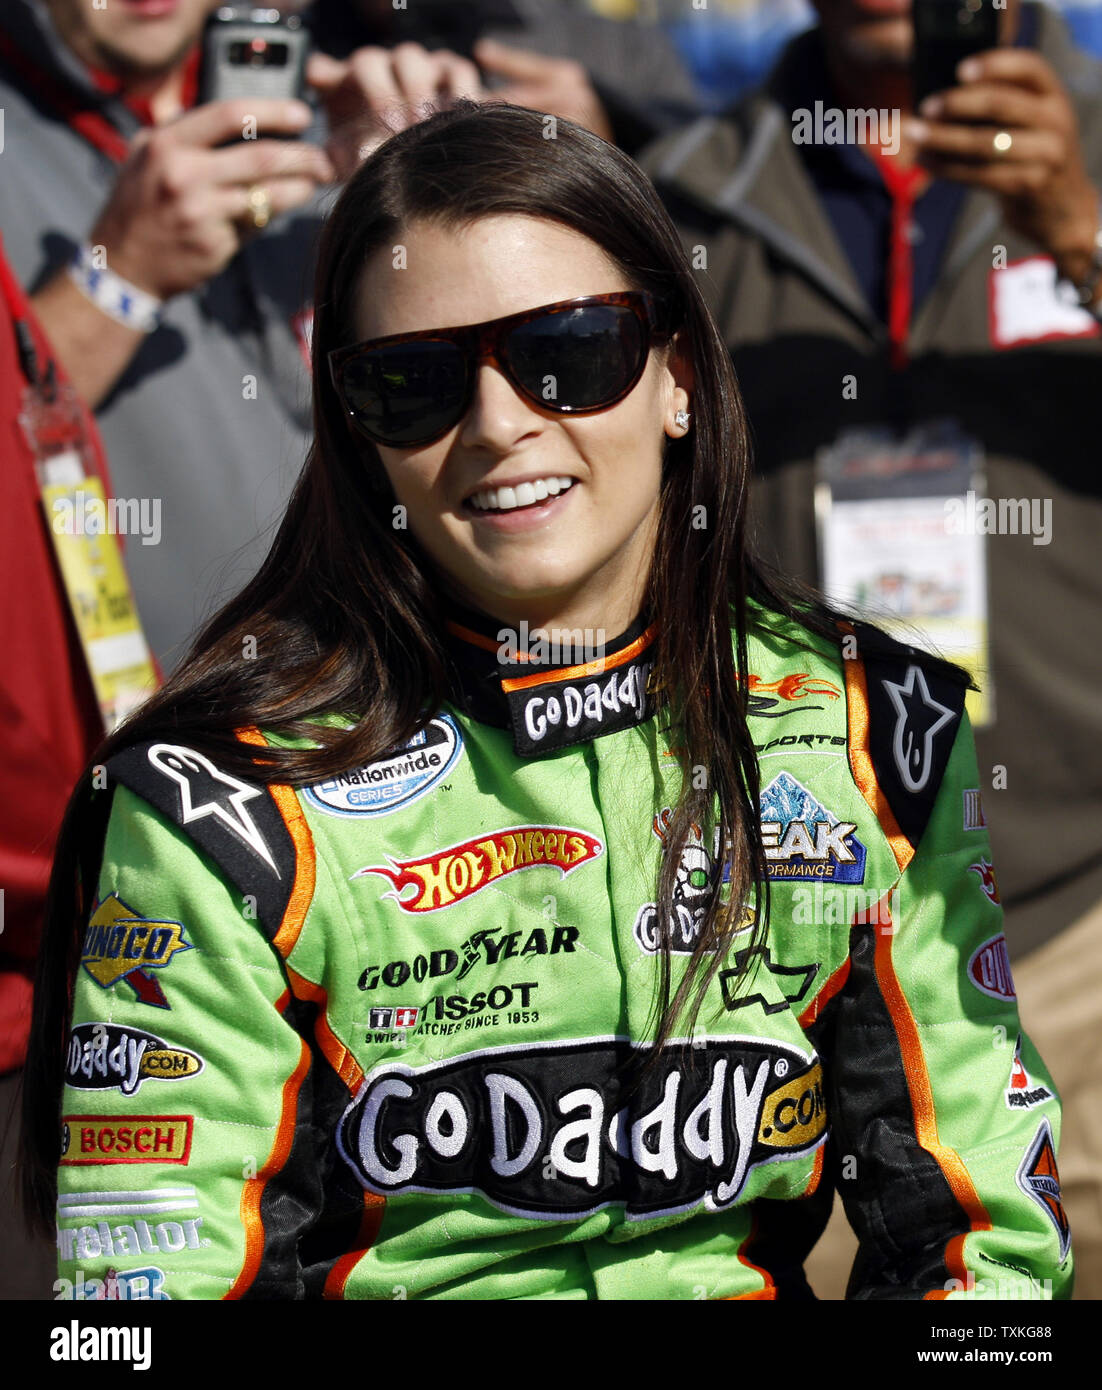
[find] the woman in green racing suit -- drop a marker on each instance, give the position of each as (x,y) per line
(521,891)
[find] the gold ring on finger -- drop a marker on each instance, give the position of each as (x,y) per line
(260,206)
(1003,142)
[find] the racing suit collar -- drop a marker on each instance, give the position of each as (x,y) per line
(550,694)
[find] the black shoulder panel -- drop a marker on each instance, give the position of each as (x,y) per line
(235,823)
(915,708)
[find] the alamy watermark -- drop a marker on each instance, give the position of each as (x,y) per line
(83,513)
(831,125)
(829,904)
(557,646)
(999,516)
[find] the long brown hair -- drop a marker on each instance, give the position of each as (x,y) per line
(343,614)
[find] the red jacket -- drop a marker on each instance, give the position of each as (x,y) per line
(49,719)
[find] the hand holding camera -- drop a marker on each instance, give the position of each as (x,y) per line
(1003,122)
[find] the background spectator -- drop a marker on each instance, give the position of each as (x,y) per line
(632,84)
(203,401)
(51,722)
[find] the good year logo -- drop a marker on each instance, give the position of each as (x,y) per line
(546,1131)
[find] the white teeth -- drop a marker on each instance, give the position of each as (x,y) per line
(507,499)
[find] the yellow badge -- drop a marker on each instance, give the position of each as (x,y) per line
(79,519)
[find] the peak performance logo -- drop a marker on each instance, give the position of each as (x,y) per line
(460,870)
(544,1131)
(803,839)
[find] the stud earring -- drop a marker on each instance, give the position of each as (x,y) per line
(681,419)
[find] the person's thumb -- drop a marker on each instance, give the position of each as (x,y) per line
(504,61)
(325,74)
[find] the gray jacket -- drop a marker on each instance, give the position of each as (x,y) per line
(211,418)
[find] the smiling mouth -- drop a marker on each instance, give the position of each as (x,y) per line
(529,494)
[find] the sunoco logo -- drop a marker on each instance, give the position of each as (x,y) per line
(397,778)
(543,1131)
(440,879)
(121,944)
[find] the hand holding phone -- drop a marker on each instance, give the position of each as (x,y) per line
(1008,126)
(946,33)
(191,191)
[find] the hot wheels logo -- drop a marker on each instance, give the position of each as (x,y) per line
(444,878)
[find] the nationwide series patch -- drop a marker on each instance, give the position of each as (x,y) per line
(121,944)
(803,839)
(989,969)
(1022,1093)
(550,1132)
(1039,1179)
(458,872)
(102,1056)
(125,1139)
(396,779)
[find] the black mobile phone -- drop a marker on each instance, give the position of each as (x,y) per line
(250,51)
(947,32)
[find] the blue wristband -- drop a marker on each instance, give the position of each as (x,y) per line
(112,294)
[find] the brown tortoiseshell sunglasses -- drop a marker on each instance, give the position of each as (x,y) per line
(574,357)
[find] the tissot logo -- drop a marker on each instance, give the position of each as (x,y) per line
(547,1131)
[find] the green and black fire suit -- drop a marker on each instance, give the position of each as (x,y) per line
(367,1040)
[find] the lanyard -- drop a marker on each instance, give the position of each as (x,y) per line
(17,308)
(905,187)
